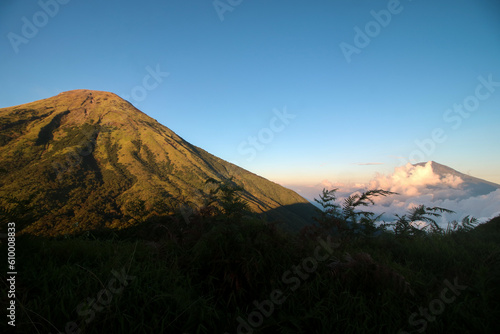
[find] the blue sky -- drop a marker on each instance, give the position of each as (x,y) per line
(231,71)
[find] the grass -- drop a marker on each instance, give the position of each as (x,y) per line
(187,281)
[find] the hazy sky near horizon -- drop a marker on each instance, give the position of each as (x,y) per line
(295,91)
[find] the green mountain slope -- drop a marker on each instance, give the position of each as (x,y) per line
(88,159)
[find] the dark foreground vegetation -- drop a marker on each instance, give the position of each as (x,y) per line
(219,269)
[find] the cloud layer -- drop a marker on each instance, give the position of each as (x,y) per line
(418,185)
(412,180)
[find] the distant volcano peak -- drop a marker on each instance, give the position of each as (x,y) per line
(471,186)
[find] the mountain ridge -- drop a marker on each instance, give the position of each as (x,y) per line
(96,155)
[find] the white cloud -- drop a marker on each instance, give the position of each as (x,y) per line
(417,185)
(412,180)
(368,163)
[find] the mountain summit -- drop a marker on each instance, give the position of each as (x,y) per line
(467,186)
(87,159)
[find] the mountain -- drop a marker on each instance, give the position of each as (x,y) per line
(87,159)
(431,178)
(466,186)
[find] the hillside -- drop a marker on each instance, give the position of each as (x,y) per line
(88,159)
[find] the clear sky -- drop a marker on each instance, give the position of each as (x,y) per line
(295,91)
